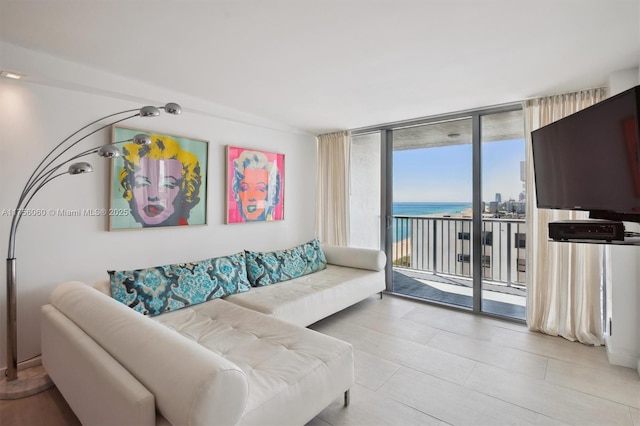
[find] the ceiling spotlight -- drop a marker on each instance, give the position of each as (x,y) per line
(13,75)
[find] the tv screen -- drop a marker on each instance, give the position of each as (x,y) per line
(590,160)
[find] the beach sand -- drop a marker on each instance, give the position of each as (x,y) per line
(401,249)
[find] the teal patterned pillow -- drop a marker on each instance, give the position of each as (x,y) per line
(282,265)
(153,291)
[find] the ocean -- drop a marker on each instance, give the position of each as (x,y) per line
(422,209)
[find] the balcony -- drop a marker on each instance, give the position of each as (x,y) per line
(432,259)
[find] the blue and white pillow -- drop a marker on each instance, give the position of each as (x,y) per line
(153,291)
(282,265)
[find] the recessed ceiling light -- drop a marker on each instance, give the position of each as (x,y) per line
(9,74)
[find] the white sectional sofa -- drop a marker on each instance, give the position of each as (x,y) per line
(242,359)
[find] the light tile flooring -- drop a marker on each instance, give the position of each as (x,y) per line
(419,364)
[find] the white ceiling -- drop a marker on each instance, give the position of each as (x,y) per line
(326,65)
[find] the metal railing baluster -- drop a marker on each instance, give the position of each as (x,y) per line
(436,249)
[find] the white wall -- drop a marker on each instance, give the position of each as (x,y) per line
(623,291)
(60,97)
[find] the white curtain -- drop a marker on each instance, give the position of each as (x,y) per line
(332,202)
(563,279)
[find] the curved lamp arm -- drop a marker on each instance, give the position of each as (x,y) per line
(35,171)
(35,176)
(44,173)
(74,169)
(40,178)
(146,111)
(105,151)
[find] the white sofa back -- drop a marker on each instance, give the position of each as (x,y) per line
(191,384)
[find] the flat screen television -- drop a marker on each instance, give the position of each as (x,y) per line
(590,160)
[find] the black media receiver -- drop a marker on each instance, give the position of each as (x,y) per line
(602,230)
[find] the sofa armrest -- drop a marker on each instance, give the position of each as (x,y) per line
(98,388)
(191,384)
(103,286)
(355,257)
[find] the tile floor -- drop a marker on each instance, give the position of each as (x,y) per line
(419,364)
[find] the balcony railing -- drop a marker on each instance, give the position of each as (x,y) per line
(443,245)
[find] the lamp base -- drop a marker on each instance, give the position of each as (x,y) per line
(30,381)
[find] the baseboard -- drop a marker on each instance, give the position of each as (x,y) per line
(33,362)
(621,358)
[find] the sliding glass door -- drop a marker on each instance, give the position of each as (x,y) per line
(432,211)
(450,211)
(503,237)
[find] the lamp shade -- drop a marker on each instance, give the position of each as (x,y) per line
(149,111)
(108,151)
(142,139)
(80,168)
(173,108)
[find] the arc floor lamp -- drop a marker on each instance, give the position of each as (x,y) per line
(24,383)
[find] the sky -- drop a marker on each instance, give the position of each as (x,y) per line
(444,173)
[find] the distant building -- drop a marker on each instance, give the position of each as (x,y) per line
(498,197)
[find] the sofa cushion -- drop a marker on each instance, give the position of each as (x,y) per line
(265,268)
(307,299)
(153,291)
(292,372)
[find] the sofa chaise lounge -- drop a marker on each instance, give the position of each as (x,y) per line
(242,359)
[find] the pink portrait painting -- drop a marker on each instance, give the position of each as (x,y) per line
(255,185)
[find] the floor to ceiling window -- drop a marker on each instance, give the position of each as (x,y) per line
(450,207)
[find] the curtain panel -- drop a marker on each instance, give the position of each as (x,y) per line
(563,279)
(332,203)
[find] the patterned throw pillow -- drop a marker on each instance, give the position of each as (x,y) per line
(282,265)
(153,291)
